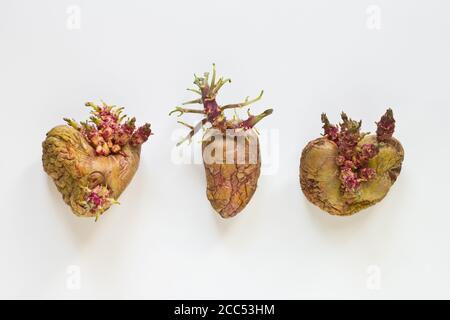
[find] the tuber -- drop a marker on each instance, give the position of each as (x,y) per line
(230,147)
(346,170)
(92,162)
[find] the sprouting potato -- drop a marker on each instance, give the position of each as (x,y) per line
(230,147)
(346,170)
(93,162)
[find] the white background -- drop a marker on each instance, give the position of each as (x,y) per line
(164,240)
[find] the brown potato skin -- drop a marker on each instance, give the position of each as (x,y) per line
(71,162)
(230,186)
(319,175)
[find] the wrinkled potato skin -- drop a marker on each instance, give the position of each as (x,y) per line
(230,186)
(319,175)
(72,164)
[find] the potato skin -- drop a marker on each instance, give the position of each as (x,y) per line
(71,162)
(319,175)
(230,186)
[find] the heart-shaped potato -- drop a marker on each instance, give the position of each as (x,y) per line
(346,171)
(93,162)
